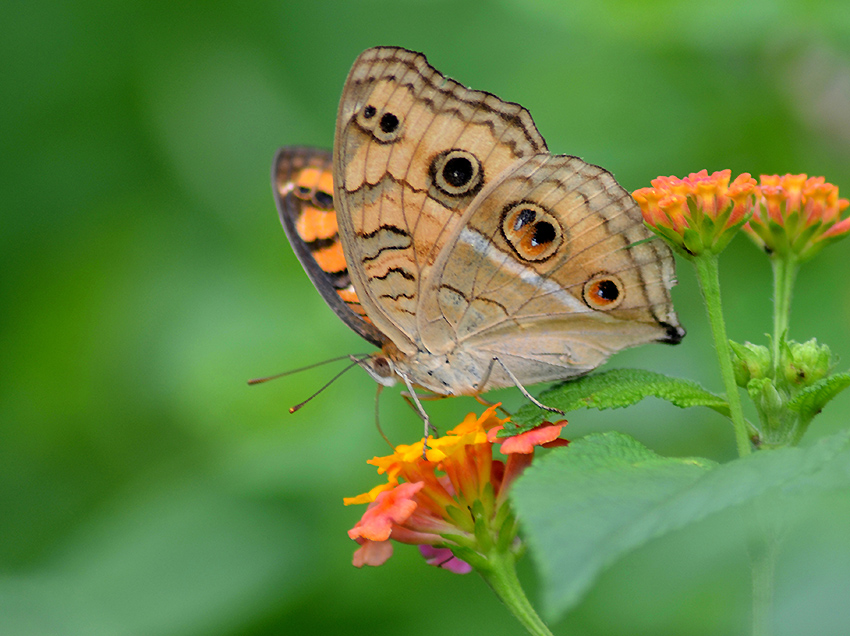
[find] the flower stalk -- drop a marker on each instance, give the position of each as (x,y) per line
(499,571)
(784,274)
(709,283)
(698,216)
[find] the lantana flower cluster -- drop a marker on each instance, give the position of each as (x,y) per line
(793,215)
(797,215)
(699,213)
(452,502)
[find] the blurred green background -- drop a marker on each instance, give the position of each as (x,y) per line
(145,489)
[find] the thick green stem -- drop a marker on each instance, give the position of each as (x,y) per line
(500,574)
(709,282)
(784,273)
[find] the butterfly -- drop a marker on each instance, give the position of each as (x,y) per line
(443,231)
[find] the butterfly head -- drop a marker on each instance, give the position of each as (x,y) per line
(381,368)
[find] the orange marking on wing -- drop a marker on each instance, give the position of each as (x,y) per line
(315,224)
(348,295)
(331,259)
(326,182)
(308,178)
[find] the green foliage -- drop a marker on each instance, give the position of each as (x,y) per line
(789,392)
(606,494)
(616,389)
(811,400)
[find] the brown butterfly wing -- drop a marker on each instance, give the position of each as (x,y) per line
(303,189)
(412,150)
(551,271)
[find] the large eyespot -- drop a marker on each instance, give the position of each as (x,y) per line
(457,173)
(533,232)
(603,292)
(385,129)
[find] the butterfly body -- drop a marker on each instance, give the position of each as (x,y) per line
(459,245)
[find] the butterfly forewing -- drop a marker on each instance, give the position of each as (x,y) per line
(412,150)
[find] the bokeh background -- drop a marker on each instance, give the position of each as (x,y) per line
(144,277)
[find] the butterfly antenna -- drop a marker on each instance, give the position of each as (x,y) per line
(293,371)
(327,384)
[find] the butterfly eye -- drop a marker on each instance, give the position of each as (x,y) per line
(457,173)
(381,366)
(533,232)
(603,292)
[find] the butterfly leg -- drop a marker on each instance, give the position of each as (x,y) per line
(426,396)
(429,428)
(523,390)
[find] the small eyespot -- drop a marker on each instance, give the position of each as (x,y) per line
(385,129)
(525,216)
(389,123)
(324,200)
(457,173)
(532,231)
(544,233)
(603,292)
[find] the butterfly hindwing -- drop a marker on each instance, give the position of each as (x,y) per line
(550,271)
(302,180)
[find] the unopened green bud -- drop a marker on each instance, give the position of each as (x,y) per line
(806,363)
(750,362)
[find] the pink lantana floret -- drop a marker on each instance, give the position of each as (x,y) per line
(444,558)
(373,553)
(390,507)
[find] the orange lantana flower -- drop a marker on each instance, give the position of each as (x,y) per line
(797,215)
(699,213)
(442,501)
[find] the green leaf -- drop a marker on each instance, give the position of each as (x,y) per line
(811,400)
(603,496)
(615,389)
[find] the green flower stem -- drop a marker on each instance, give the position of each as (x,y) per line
(500,574)
(709,282)
(784,274)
